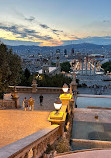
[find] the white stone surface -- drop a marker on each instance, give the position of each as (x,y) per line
(88,115)
(94,101)
(88,154)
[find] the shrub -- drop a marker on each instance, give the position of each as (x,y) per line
(63,146)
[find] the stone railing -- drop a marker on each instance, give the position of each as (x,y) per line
(49,90)
(23,89)
(35,145)
(32,146)
(7,103)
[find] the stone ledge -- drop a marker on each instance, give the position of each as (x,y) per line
(17,147)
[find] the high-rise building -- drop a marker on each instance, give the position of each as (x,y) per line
(57,52)
(72,51)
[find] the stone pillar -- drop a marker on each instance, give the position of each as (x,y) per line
(86,66)
(74,84)
(66,98)
(82,67)
(58,119)
(34,86)
(90,68)
(15,98)
(71,89)
(94,68)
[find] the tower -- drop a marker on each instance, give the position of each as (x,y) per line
(65,52)
(57,62)
(57,52)
(73,85)
(86,62)
(72,51)
(45,67)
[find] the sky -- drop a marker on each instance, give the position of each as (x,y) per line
(55,22)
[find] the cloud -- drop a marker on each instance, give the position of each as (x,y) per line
(41,37)
(95,40)
(13,28)
(22,16)
(44,26)
(23,32)
(57,30)
(30,19)
(30,31)
(106,21)
(17,30)
(19,42)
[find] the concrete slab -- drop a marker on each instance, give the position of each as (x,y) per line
(87,154)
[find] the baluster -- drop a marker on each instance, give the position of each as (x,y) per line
(21,156)
(26,155)
(38,150)
(34,152)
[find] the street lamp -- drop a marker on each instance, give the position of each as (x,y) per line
(57,105)
(65,88)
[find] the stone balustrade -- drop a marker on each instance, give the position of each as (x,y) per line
(23,89)
(33,145)
(7,103)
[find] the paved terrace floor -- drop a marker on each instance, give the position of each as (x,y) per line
(88,154)
(17,124)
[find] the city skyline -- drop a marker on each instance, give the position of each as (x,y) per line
(53,23)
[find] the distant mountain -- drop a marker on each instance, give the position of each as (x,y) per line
(23,49)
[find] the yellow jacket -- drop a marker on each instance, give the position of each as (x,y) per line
(31,101)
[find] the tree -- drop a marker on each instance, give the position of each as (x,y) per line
(26,78)
(53,81)
(65,66)
(27,73)
(10,66)
(106,66)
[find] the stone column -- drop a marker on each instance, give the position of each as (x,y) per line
(74,84)
(82,67)
(86,66)
(15,98)
(94,68)
(90,68)
(71,89)
(34,86)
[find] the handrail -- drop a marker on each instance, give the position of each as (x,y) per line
(93,96)
(36,142)
(21,89)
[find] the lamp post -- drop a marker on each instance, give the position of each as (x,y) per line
(66,97)
(65,88)
(57,105)
(58,117)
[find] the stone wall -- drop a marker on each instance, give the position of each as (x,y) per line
(33,145)
(23,89)
(7,104)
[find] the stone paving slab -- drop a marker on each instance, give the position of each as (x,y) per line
(17,124)
(87,154)
(48,100)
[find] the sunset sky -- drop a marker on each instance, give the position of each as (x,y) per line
(55,22)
